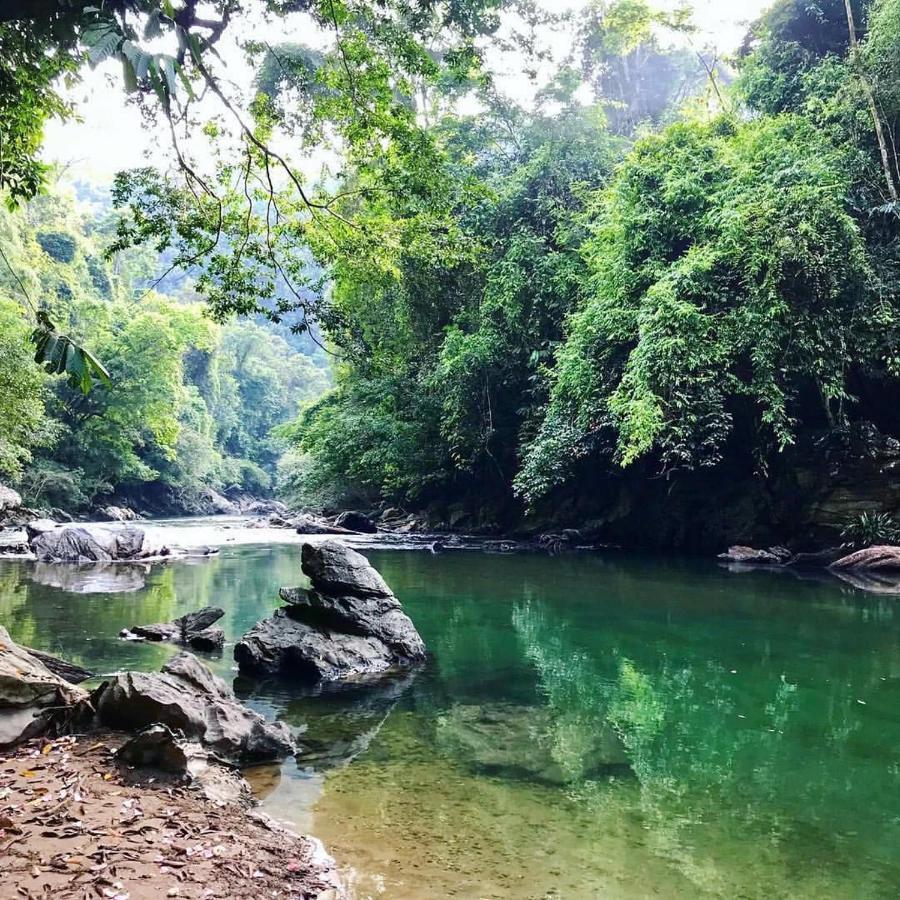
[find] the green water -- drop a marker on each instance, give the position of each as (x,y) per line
(585,727)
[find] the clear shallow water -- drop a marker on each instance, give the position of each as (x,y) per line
(586,726)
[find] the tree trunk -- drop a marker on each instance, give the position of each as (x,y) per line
(873,106)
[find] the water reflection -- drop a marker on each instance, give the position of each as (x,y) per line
(584,726)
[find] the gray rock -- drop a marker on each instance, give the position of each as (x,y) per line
(349,626)
(740,554)
(356,521)
(192,629)
(116,514)
(336,569)
(281,645)
(62,668)
(78,543)
(33,700)
(219,505)
(13,541)
(188,698)
(158,747)
(39,526)
(306,524)
(9,499)
(208,640)
(379,617)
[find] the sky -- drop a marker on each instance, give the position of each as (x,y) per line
(111,136)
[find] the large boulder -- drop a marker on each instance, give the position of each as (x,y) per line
(9,499)
(33,700)
(187,698)
(348,626)
(883,558)
(356,521)
(37,527)
(77,543)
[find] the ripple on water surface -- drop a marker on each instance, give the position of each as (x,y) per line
(585,726)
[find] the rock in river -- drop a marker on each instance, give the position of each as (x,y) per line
(189,699)
(194,629)
(750,555)
(76,543)
(872,559)
(349,626)
(356,521)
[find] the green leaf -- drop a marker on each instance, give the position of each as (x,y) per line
(102,40)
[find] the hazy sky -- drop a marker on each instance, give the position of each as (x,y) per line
(111,135)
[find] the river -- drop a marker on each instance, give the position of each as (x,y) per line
(587,726)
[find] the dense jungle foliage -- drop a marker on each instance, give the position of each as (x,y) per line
(660,262)
(662,298)
(191,404)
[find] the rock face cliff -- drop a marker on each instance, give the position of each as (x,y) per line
(349,625)
(809,494)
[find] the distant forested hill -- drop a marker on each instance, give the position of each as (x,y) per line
(192,403)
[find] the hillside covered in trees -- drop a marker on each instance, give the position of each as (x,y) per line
(661,287)
(190,405)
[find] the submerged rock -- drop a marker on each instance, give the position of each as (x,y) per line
(531,742)
(33,700)
(349,626)
(78,543)
(188,698)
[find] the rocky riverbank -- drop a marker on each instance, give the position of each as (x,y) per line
(76,821)
(107,790)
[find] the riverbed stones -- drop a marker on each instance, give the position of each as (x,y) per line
(187,698)
(33,700)
(349,626)
(78,543)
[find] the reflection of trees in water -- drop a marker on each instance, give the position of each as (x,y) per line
(13,598)
(732,766)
